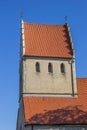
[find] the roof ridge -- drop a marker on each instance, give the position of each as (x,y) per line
(49,24)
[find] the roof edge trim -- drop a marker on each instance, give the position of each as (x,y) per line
(33,56)
(70,36)
(64,124)
(23,38)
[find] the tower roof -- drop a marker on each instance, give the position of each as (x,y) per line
(47,40)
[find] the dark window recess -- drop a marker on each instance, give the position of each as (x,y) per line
(37,67)
(50,68)
(62,67)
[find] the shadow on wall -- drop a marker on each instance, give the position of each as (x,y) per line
(67,115)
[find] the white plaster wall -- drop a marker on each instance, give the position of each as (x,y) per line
(43,81)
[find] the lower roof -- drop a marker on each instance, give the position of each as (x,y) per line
(51,110)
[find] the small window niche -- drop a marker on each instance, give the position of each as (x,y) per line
(37,67)
(62,68)
(50,68)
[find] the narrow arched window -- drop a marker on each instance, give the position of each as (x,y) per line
(50,68)
(62,67)
(37,67)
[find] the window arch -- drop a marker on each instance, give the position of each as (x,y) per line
(37,67)
(50,68)
(62,67)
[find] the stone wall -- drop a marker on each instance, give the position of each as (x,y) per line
(44,82)
(20,117)
(56,127)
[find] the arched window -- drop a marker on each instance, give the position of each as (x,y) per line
(62,67)
(37,67)
(50,68)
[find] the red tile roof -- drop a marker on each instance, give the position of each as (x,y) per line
(49,110)
(47,40)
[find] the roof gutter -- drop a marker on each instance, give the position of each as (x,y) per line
(72,78)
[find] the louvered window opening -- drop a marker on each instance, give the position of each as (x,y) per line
(62,68)
(37,67)
(50,68)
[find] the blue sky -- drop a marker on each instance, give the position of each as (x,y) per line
(35,11)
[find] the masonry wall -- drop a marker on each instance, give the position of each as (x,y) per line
(56,127)
(44,82)
(20,118)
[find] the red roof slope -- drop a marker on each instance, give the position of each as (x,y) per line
(47,40)
(43,110)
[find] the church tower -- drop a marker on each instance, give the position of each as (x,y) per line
(47,61)
(48,92)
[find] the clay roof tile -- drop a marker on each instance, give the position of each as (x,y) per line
(47,40)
